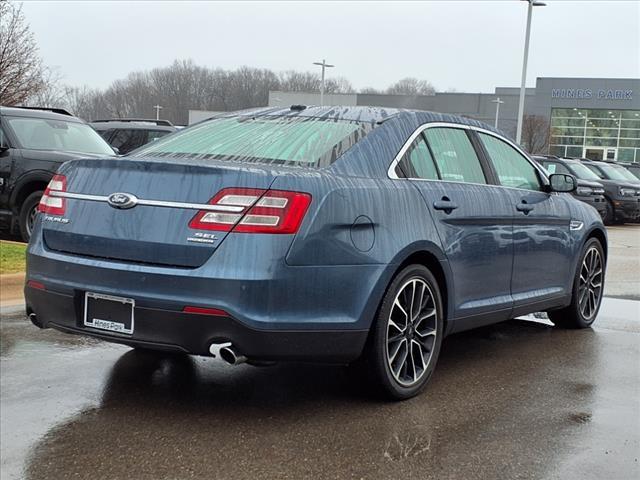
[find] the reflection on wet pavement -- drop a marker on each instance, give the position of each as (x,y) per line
(515,400)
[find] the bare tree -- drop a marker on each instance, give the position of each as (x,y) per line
(20,65)
(371,91)
(535,133)
(411,86)
(52,93)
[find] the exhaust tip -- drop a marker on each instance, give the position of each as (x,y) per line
(229,355)
(34,320)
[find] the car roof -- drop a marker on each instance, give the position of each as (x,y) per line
(365,114)
(35,113)
(130,125)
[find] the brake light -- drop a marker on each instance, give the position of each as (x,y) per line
(257,211)
(51,204)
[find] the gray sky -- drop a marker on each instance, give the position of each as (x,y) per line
(471,46)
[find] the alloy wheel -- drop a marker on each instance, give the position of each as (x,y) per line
(411,332)
(590,283)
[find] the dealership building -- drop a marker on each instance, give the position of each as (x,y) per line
(587,117)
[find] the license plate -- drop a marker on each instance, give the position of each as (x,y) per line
(107,312)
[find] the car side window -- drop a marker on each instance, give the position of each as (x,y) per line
(454,155)
(596,171)
(126,140)
(554,167)
(513,169)
(155,135)
(418,162)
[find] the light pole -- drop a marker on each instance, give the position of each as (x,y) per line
(498,102)
(158,108)
(532,3)
(324,65)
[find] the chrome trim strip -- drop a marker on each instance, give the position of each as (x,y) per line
(152,203)
(391,171)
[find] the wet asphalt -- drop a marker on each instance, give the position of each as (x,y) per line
(516,400)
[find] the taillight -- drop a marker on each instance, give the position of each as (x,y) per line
(51,204)
(262,211)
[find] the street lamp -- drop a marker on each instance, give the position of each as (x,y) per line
(158,108)
(498,102)
(532,3)
(324,65)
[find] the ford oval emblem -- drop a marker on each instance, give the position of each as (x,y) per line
(122,200)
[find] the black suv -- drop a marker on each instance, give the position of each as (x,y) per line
(33,144)
(589,190)
(126,134)
(622,189)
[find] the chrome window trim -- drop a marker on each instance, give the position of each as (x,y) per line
(152,203)
(391,171)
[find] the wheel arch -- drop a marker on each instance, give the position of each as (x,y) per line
(429,255)
(26,185)
(599,234)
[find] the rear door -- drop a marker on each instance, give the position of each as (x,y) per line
(472,219)
(542,261)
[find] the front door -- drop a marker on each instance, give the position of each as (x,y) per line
(542,258)
(599,153)
(473,221)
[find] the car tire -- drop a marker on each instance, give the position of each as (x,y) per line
(28,211)
(609,213)
(409,369)
(587,291)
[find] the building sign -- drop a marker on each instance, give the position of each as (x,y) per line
(587,93)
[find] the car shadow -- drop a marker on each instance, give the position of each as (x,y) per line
(193,415)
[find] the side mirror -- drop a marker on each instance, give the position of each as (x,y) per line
(561,182)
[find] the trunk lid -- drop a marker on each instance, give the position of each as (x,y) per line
(156,234)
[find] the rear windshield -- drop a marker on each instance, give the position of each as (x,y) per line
(45,134)
(309,142)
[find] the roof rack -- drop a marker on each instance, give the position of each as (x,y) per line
(165,123)
(61,111)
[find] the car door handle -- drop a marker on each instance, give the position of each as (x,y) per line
(445,204)
(524,207)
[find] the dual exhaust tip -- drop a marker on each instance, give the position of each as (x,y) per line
(227,353)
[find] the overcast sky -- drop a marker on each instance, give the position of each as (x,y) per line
(472,46)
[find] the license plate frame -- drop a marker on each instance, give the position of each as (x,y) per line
(120,313)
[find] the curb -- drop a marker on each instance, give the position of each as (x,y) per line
(12,309)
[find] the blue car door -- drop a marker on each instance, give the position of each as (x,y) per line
(542,252)
(472,218)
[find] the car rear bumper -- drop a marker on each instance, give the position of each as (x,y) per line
(170,329)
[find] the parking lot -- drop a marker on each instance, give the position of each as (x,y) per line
(514,400)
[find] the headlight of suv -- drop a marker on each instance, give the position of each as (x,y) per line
(627,192)
(584,191)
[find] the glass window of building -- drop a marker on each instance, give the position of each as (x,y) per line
(595,134)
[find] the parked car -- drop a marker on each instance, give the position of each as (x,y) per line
(127,134)
(320,234)
(634,168)
(33,144)
(622,191)
(588,191)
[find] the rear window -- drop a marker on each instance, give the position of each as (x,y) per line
(309,142)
